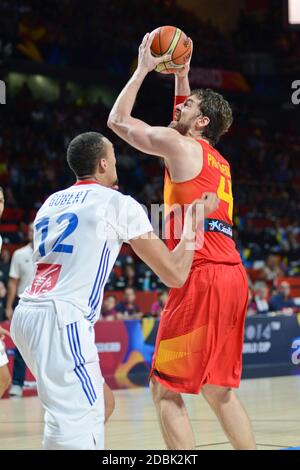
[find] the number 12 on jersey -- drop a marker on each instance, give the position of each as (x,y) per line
(57,246)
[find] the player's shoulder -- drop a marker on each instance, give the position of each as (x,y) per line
(120,200)
(21,251)
(217,154)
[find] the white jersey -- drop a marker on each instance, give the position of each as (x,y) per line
(78,234)
(22,267)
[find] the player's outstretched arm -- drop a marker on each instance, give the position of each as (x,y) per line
(158,141)
(173,267)
(3,332)
(182,84)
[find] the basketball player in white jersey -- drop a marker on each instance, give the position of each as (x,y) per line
(5,378)
(78,233)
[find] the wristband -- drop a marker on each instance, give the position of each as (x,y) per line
(178,100)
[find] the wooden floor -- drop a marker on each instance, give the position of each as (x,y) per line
(273,405)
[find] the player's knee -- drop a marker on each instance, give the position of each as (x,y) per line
(159,392)
(216,395)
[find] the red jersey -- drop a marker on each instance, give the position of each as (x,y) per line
(214,177)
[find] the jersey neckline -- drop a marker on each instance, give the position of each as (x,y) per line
(78,183)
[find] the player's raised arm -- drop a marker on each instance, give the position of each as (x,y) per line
(182,85)
(173,267)
(160,141)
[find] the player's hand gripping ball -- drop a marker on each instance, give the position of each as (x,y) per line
(171,40)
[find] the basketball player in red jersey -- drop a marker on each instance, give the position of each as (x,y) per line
(200,337)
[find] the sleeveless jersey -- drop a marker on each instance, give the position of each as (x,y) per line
(214,177)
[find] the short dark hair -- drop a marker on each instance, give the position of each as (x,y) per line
(218,110)
(110,295)
(129,287)
(84,152)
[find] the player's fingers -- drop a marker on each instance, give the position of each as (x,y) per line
(165,58)
(207,195)
(144,41)
(151,37)
(212,201)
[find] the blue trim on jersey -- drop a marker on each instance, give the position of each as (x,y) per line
(93,303)
(97,275)
(79,369)
(102,279)
(99,293)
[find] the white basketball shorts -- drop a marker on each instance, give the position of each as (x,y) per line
(64,361)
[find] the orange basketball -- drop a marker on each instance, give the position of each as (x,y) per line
(171,40)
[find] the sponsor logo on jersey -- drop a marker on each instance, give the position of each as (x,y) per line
(45,279)
(218,226)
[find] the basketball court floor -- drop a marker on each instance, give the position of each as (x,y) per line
(273,405)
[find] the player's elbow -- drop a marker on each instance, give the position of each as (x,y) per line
(175,279)
(114,120)
(180,281)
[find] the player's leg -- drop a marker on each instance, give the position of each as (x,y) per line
(76,424)
(227,367)
(18,377)
(173,418)
(109,401)
(5,379)
(232,416)
(64,361)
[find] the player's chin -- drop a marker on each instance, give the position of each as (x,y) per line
(172,124)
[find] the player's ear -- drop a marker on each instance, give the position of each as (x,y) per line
(102,165)
(202,121)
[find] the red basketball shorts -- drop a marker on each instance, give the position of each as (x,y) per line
(200,336)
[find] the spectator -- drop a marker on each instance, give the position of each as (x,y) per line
(282,300)
(20,276)
(4,265)
(158,306)
(127,308)
(272,270)
(109,311)
(251,309)
(2,301)
(260,303)
(129,278)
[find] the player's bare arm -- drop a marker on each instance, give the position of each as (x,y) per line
(3,332)
(173,267)
(159,141)
(12,289)
(182,85)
